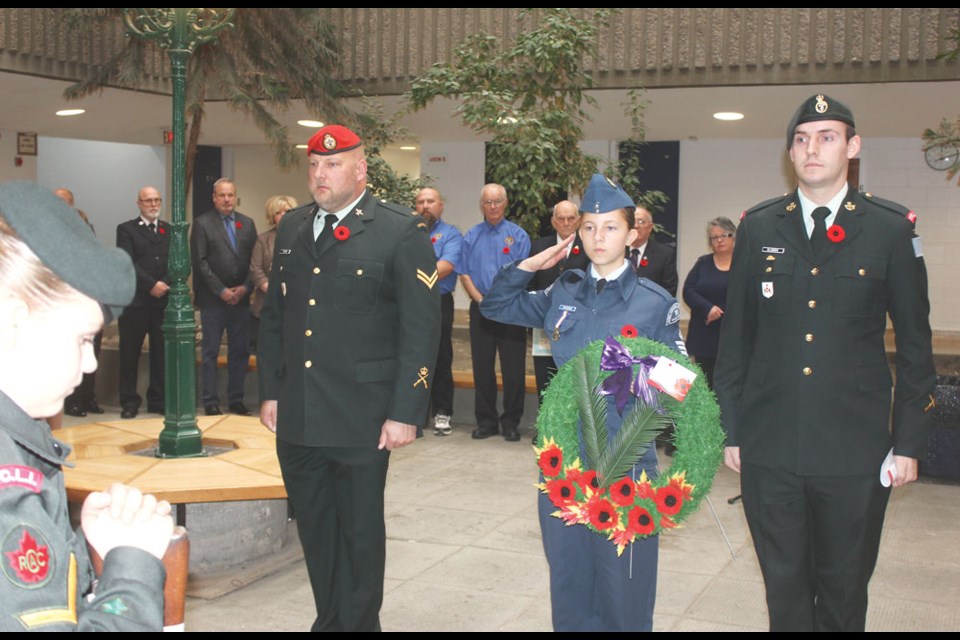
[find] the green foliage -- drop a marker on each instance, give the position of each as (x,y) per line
(270,57)
(947,134)
(592,408)
(377,131)
(529,100)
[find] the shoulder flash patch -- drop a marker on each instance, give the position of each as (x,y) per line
(673,315)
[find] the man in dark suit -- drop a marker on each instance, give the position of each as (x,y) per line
(803,381)
(147,239)
(565,222)
(651,259)
(222,243)
(348,337)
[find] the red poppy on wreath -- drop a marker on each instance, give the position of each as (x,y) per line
(562,492)
(506,249)
(669,499)
(640,521)
(644,262)
(587,480)
(341,233)
(575,251)
(629,331)
(161,230)
(602,514)
(623,491)
(836,233)
(239,225)
(551,461)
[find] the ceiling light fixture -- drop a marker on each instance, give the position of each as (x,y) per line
(71,112)
(408,148)
(728,115)
(315,124)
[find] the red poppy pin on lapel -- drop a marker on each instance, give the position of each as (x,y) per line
(341,233)
(836,233)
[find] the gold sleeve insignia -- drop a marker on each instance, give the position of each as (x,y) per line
(426,279)
(933,403)
(423,377)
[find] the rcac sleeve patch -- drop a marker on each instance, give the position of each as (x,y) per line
(26,557)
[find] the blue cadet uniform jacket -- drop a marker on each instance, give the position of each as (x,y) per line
(45,568)
(576,314)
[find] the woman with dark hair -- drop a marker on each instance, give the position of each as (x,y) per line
(705,292)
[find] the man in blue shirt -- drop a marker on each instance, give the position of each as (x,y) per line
(447,245)
(488,246)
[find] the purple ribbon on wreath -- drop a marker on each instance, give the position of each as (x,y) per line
(623,383)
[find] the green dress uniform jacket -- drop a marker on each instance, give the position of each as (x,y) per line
(802,375)
(349,331)
(45,572)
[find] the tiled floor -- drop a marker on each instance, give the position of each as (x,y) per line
(464,554)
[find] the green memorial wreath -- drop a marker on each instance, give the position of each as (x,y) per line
(602,495)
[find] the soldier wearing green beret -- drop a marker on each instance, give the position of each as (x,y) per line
(803,381)
(58,286)
(348,340)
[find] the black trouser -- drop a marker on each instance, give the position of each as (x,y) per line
(442,394)
(817,539)
(487,338)
(134,324)
(337,493)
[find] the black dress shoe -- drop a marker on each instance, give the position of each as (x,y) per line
(75,411)
(481,434)
(511,435)
(93,407)
(239,409)
(212,410)
(126,414)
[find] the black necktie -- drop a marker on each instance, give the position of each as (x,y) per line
(153,227)
(328,221)
(819,236)
(601,283)
(635,258)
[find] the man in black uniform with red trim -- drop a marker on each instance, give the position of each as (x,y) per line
(803,381)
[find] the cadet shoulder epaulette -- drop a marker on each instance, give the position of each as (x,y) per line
(765,204)
(650,285)
(895,207)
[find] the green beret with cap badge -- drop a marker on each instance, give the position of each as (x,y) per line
(819,107)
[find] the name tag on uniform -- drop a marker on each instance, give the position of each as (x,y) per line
(772,249)
(285,252)
(566,307)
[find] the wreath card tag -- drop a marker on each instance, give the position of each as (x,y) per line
(672,378)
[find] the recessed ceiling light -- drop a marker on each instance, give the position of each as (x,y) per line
(71,112)
(728,115)
(408,148)
(316,124)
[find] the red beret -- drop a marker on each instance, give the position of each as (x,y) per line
(333,139)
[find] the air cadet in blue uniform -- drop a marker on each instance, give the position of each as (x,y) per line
(447,245)
(58,286)
(591,589)
(802,375)
(348,340)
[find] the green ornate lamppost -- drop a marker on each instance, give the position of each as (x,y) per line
(179,30)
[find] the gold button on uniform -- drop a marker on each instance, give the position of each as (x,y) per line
(308,333)
(359,272)
(815,271)
(812,304)
(807,371)
(308,364)
(808,337)
(768,269)
(862,272)
(316,269)
(311,302)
